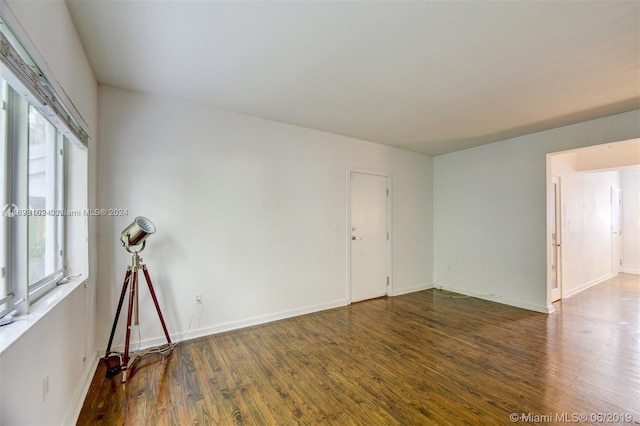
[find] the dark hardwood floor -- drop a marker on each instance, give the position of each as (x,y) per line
(421,358)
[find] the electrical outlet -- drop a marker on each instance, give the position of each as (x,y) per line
(198,298)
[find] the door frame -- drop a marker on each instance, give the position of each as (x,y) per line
(557,215)
(616,264)
(387,175)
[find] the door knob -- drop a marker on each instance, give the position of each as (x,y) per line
(355,238)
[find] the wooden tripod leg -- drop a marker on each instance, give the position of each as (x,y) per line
(132,294)
(155,302)
(127,276)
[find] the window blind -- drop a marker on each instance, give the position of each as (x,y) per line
(25,76)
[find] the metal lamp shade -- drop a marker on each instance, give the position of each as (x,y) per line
(137,232)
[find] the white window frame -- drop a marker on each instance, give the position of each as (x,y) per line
(6,298)
(20,289)
(30,87)
(39,288)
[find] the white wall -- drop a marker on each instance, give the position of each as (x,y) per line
(60,345)
(586,223)
(52,350)
(490,211)
(630,180)
(251,213)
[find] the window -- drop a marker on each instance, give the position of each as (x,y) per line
(5,289)
(45,201)
(32,193)
(37,133)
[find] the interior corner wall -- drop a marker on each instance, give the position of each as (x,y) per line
(490,211)
(630,180)
(250,213)
(60,347)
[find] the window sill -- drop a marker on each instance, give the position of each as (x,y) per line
(10,333)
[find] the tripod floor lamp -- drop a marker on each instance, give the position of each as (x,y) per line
(133,238)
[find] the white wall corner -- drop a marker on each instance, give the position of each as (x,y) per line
(587,285)
(77,400)
(401,291)
(499,299)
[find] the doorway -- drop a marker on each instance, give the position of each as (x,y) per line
(368,244)
(585,207)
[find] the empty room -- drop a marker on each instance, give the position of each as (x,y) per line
(305,212)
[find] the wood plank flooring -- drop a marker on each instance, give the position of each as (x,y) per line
(421,358)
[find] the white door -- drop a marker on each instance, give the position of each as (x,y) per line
(368,236)
(616,230)
(556,241)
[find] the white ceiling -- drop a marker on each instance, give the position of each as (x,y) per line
(431,77)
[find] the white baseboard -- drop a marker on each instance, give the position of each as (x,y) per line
(522,305)
(77,400)
(499,299)
(580,288)
(399,292)
(221,328)
(631,271)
